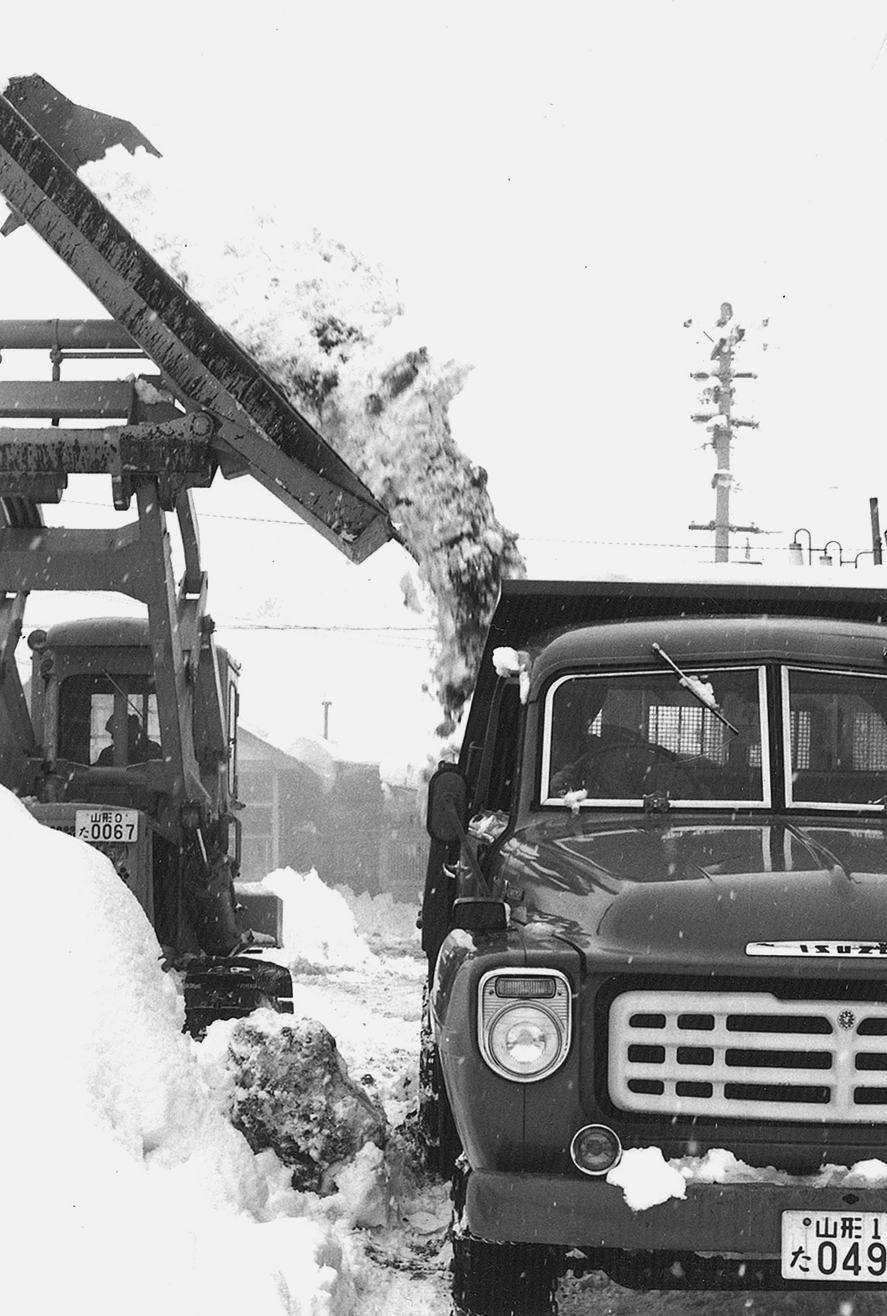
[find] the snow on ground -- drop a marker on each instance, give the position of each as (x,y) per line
(330,329)
(132,1190)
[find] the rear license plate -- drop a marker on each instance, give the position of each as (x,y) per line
(106,824)
(835,1245)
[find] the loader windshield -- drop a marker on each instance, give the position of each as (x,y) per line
(108,720)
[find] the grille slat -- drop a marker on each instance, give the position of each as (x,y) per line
(740,1055)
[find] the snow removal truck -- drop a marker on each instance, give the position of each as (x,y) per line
(656,923)
(129,737)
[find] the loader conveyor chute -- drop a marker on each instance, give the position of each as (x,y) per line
(43,140)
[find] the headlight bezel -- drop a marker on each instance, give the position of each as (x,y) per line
(552,1010)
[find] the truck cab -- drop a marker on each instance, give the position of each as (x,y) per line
(656,921)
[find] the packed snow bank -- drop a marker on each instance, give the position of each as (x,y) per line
(329,328)
(647,1179)
(383,922)
(319,929)
(132,1189)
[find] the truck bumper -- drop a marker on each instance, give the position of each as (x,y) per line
(722,1219)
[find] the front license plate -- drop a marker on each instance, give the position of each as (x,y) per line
(106,824)
(835,1245)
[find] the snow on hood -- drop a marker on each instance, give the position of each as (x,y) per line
(329,328)
(132,1191)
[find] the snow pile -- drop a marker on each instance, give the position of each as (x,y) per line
(329,328)
(154,1197)
(319,929)
(383,921)
(647,1179)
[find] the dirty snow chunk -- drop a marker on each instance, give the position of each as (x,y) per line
(646,1178)
(292,1093)
(319,929)
(330,330)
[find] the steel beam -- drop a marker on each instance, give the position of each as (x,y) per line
(67,335)
(202,364)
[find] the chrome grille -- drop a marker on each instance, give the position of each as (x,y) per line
(748,1055)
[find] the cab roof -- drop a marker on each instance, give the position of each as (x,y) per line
(753,609)
(690,641)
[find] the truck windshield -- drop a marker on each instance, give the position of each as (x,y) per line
(619,738)
(835,737)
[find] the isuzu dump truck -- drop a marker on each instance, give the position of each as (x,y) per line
(129,737)
(656,921)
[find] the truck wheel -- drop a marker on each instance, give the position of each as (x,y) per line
(503,1279)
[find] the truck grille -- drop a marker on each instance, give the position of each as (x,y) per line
(748,1055)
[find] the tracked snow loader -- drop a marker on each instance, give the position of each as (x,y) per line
(129,737)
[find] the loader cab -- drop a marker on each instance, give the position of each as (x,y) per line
(97,718)
(93,700)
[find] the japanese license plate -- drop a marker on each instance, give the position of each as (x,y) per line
(106,824)
(835,1245)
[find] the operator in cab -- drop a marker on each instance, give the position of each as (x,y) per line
(138,747)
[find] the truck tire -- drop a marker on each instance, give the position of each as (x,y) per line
(503,1279)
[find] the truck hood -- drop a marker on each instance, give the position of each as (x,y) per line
(697,893)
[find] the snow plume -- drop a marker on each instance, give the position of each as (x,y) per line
(329,328)
(319,929)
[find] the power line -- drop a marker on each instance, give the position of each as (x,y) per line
(298,626)
(880,48)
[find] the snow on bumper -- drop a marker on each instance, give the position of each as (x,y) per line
(742,1219)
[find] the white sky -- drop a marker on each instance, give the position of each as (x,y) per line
(556,195)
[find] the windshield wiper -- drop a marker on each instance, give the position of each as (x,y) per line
(699,689)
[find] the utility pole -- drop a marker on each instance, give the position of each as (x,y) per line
(326,718)
(719,420)
(877,549)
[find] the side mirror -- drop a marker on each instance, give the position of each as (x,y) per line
(480,914)
(447,815)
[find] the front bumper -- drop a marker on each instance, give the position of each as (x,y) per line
(721,1219)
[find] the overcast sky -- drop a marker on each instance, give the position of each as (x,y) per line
(557,191)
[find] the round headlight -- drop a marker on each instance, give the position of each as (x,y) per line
(526,1039)
(595,1149)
